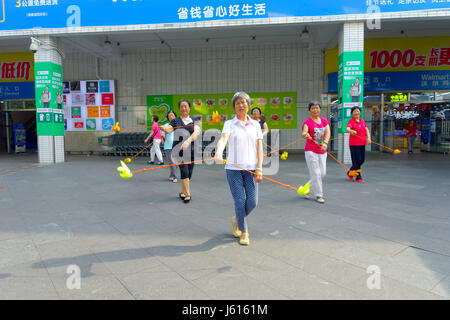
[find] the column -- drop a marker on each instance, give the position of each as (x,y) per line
(350,81)
(49,99)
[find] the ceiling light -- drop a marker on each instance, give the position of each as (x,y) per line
(305,35)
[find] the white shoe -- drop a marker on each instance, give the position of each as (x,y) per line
(320,200)
(306,196)
(174,180)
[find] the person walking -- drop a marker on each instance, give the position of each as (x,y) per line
(317,131)
(244,162)
(168,144)
(411,134)
(155,133)
(359,137)
(184,126)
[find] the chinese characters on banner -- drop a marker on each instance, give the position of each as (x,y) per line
(234,10)
(16,75)
(35,3)
(409,58)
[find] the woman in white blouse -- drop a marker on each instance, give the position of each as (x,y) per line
(244,153)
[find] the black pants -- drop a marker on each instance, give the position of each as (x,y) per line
(358,156)
(186,170)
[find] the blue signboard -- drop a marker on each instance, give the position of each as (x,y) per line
(16,90)
(400,81)
(27,14)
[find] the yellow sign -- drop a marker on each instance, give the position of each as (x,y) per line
(17,67)
(402,54)
(399,97)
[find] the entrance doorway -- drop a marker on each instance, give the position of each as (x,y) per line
(432,120)
(17,112)
(387,119)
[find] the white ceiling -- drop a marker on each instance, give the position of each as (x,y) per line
(322,36)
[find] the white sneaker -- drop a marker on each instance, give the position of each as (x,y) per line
(320,200)
(306,196)
(174,180)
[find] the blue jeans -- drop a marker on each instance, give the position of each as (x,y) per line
(245,194)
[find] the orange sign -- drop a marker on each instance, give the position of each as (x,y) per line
(105,111)
(92,112)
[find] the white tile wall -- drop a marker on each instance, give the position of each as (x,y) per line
(46,149)
(59,149)
(351,37)
(251,68)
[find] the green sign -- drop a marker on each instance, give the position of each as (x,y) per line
(91,124)
(159,106)
(350,85)
(49,99)
(279,109)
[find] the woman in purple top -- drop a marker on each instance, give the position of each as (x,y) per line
(317,131)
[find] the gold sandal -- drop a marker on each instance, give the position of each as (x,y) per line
(236,232)
(244,239)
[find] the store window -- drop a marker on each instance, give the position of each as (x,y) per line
(422,96)
(442,96)
(372,98)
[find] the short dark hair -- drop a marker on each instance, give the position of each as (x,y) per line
(257,108)
(354,108)
(240,95)
(171,111)
(184,100)
(155,118)
(314,103)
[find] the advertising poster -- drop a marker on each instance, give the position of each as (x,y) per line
(350,84)
(48,91)
(83,105)
(279,109)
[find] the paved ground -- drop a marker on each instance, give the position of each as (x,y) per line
(133,239)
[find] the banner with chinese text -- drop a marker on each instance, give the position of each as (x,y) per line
(17,75)
(279,109)
(28,14)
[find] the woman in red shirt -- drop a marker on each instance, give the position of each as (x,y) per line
(317,130)
(411,134)
(359,137)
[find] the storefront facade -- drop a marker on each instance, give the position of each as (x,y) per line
(405,79)
(175,49)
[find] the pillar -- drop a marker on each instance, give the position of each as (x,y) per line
(350,81)
(49,105)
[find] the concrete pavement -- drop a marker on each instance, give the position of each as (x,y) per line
(134,239)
